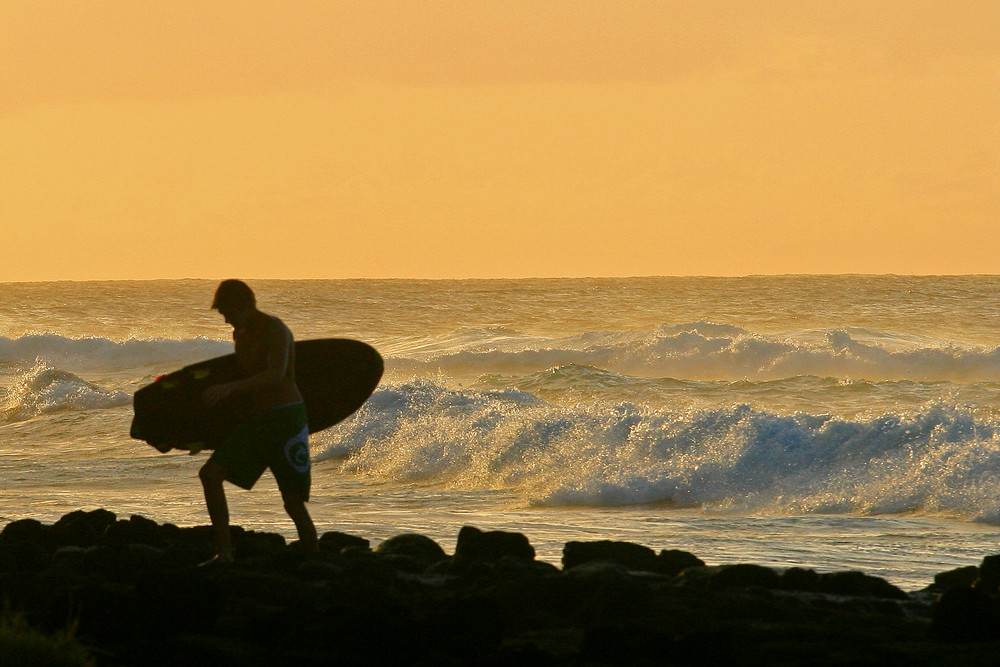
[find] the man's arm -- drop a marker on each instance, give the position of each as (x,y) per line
(278,340)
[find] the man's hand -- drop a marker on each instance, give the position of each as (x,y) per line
(216,393)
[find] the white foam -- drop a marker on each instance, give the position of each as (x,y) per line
(703,350)
(939,459)
(42,390)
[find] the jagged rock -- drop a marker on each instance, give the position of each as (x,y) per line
(320,570)
(178,600)
(989,574)
(799,579)
(335,542)
(80,528)
(628,555)
(723,577)
(512,567)
(253,543)
(962,577)
(21,530)
(604,571)
(491,546)
(674,561)
(420,548)
(624,644)
(138,603)
(24,554)
(858,584)
(136,530)
(744,575)
(966,614)
(134,558)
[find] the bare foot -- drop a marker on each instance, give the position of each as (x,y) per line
(216,561)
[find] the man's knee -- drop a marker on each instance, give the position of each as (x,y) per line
(212,474)
(294,502)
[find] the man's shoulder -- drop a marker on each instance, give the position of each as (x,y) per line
(274,324)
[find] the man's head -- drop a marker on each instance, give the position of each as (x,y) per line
(234,298)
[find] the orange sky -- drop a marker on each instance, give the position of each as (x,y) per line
(210,138)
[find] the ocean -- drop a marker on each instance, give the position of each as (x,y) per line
(830,422)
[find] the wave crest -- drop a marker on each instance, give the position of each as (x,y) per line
(938,459)
(43,390)
(705,351)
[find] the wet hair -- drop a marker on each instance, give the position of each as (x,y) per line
(233,294)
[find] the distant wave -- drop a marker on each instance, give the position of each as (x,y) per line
(105,354)
(43,390)
(703,350)
(940,459)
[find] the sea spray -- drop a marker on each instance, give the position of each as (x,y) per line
(42,390)
(703,350)
(941,459)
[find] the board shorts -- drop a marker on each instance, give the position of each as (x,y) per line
(277,439)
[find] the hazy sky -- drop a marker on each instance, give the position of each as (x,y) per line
(290,139)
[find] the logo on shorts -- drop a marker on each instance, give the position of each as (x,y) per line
(297,451)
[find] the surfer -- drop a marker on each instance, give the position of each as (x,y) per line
(277,435)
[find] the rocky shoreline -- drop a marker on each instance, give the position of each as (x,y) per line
(133,594)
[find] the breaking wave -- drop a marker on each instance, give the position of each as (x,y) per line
(939,459)
(702,350)
(43,390)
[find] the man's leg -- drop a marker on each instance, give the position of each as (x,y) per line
(295,505)
(212,476)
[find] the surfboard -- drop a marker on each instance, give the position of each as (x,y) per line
(335,376)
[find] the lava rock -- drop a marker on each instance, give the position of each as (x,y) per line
(491,546)
(628,555)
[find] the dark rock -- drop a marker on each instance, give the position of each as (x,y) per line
(628,555)
(336,542)
(989,574)
(8,561)
(491,546)
(80,528)
(966,614)
(603,592)
(364,565)
(178,600)
(136,530)
(21,530)
(101,559)
(71,557)
(25,554)
(696,577)
(255,543)
(858,584)
(603,571)
(407,564)
(135,558)
(320,570)
(744,575)
(197,536)
(106,612)
(727,577)
(464,626)
(512,567)
(799,579)
(674,561)
(418,547)
(962,577)
(624,644)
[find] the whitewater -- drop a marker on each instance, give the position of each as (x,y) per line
(833,422)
